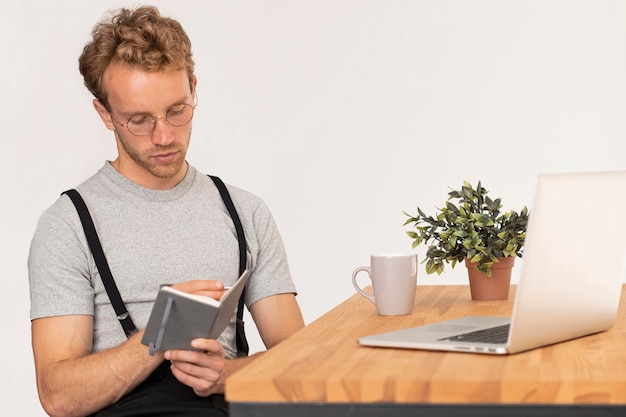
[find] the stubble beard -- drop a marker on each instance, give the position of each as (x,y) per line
(158,170)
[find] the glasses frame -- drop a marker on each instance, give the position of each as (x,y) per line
(162,116)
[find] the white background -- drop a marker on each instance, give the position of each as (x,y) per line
(340,114)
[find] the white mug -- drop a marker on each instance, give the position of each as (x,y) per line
(394,278)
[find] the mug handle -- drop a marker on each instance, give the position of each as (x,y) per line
(369,273)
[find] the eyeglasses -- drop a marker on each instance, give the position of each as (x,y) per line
(143,124)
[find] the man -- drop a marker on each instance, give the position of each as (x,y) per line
(159,222)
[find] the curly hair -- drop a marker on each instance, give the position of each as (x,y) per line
(140,37)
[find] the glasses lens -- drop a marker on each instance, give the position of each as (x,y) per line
(180,115)
(140,124)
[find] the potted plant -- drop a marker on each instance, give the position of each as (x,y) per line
(471,227)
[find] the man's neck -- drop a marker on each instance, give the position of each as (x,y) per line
(146,179)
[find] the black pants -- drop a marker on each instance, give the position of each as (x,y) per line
(163,395)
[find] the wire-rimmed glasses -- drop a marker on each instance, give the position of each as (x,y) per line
(143,124)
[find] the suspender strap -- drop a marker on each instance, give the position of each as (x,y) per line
(101,262)
(240,335)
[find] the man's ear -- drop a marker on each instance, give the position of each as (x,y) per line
(194,83)
(104,114)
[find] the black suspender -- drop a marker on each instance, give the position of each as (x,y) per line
(109,282)
(240,334)
(101,263)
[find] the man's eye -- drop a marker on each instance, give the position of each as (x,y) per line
(140,119)
(176,110)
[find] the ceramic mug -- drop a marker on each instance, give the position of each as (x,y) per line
(394,277)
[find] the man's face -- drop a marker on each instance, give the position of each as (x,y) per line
(156,160)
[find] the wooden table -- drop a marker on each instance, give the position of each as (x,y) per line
(322,371)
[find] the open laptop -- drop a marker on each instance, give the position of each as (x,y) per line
(571,278)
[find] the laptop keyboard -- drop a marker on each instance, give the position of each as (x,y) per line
(498,334)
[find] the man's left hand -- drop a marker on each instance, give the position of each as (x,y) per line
(202,371)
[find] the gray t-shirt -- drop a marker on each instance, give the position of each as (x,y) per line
(150,238)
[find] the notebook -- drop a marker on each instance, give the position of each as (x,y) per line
(571,274)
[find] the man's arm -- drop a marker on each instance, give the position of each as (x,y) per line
(276,317)
(72,381)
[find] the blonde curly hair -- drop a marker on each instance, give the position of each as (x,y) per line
(140,37)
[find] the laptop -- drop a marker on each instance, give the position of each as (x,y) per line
(571,277)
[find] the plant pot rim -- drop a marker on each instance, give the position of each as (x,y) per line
(506,262)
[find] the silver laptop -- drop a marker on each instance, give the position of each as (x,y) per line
(571,276)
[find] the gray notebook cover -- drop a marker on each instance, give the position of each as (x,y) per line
(178,317)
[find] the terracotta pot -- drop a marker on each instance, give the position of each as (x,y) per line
(496,287)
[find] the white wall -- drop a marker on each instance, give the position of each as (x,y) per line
(339,113)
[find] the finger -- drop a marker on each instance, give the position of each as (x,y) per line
(200,286)
(208,351)
(209,382)
(201,371)
(209,369)
(210,346)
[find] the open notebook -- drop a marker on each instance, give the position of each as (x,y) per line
(571,277)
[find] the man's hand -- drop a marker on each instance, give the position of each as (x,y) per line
(202,371)
(207,287)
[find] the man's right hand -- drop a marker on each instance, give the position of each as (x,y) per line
(207,287)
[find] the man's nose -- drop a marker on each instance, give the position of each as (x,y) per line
(162,134)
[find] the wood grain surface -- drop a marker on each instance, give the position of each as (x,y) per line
(324,363)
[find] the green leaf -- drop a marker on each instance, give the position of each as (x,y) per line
(431,267)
